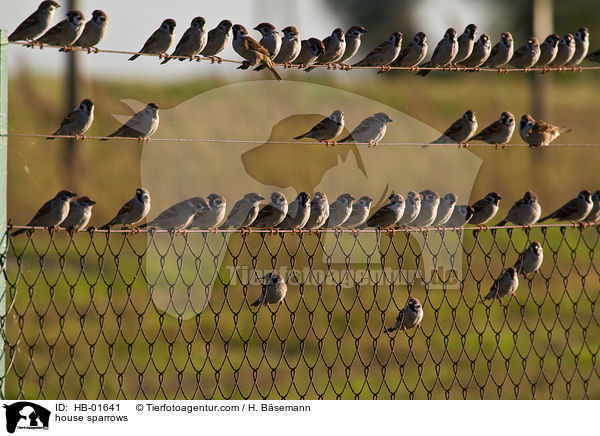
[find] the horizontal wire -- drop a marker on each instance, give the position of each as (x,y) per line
(216,59)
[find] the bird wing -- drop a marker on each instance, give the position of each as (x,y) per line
(45,209)
(521,52)
(382,212)
(324,124)
(127,132)
(494,52)
(255,46)
(54,31)
(147,48)
(29,21)
(542,127)
(363,127)
(264,212)
(567,210)
(125,209)
(492,128)
(479,205)
(183,41)
(454,128)
(375,52)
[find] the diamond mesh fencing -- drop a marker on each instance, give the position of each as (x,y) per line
(159,315)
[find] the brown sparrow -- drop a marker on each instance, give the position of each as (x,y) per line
(371,130)
(501,52)
(310,49)
(360,212)
(339,211)
(460,131)
(530,260)
(445,209)
(384,54)
(94,30)
(191,43)
(210,214)
(177,217)
(481,51)
(273,291)
(66,32)
(430,201)
(466,41)
(505,285)
(444,53)
(319,211)
(80,213)
(77,122)
(353,39)
(548,50)
(270,38)
(576,209)
(142,125)
(527,55)
(290,46)
(252,51)
(582,44)
(160,41)
(217,40)
(388,215)
(499,132)
(273,213)
(566,51)
(133,211)
(538,133)
(525,212)
(327,129)
(52,213)
(298,213)
(413,54)
(244,212)
(409,317)
(460,216)
(35,24)
(335,46)
(485,209)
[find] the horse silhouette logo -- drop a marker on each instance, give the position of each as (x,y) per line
(26,415)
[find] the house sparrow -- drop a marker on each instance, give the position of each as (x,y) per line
(273,291)
(217,40)
(412,207)
(327,129)
(524,212)
(481,51)
(460,131)
(244,212)
(499,132)
(430,201)
(191,43)
(52,213)
(444,53)
(576,209)
(160,41)
(594,214)
(310,49)
(548,50)
(538,133)
(505,285)
(78,121)
(35,24)
(210,214)
(460,216)
(94,30)
(566,51)
(594,56)
(339,211)
(582,44)
(409,317)
(360,212)
(66,32)
(273,213)
(388,215)
(413,54)
(335,46)
(271,40)
(501,52)
(527,55)
(353,39)
(445,209)
(133,211)
(80,212)
(142,125)
(384,54)
(319,211)
(466,41)
(530,260)
(179,216)
(252,51)
(298,213)
(485,209)
(290,46)
(371,130)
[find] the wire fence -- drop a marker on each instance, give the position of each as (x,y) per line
(160,315)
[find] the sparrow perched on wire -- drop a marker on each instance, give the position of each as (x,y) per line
(388,215)
(371,130)
(271,40)
(527,55)
(430,201)
(444,53)
(335,46)
(273,213)
(530,260)
(565,52)
(548,50)
(594,56)
(360,212)
(594,214)
(409,317)
(485,209)
(460,216)
(160,41)
(290,46)
(133,211)
(327,129)
(504,286)
(319,211)
(353,39)
(576,209)
(66,32)
(501,52)
(94,30)
(142,125)
(445,209)
(499,132)
(412,207)
(273,290)
(466,42)
(384,54)
(460,131)
(413,54)
(244,212)
(538,133)
(524,212)
(35,24)
(52,213)
(210,214)
(253,53)
(339,211)
(217,40)
(179,216)
(310,49)
(80,213)
(298,213)
(481,51)
(191,43)
(77,122)
(582,44)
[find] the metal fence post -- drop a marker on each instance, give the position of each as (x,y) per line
(3,214)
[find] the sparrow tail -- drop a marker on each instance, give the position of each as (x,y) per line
(134,57)
(502,223)
(391,329)
(256,303)
(423,73)
(271,66)
(545,218)
(309,69)
(301,136)
(142,226)
(18,232)
(347,138)
(166,60)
